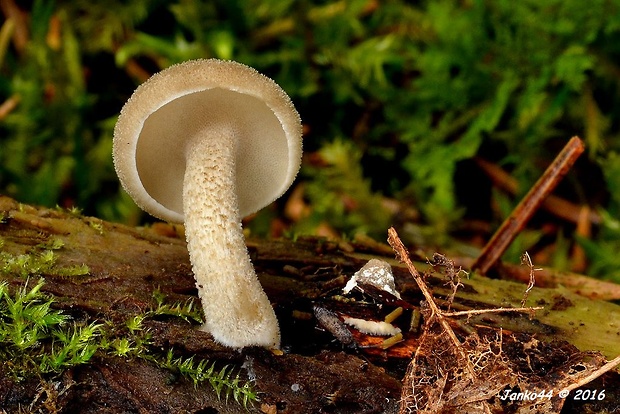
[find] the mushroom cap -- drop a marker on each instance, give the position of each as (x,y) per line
(204,98)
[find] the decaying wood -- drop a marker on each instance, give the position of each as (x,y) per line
(316,373)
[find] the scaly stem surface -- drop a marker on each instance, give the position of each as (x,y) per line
(237,310)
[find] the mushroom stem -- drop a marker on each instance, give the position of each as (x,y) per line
(237,310)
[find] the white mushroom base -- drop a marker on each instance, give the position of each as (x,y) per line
(237,310)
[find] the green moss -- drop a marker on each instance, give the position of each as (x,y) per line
(96,225)
(74,211)
(38,340)
(222,380)
(52,244)
(341,193)
(37,264)
(40,260)
(35,338)
(186,311)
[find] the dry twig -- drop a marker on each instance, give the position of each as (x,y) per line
(594,375)
(557,206)
(436,313)
(496,310)
(525,259)
(530,203)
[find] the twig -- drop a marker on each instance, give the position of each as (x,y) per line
(530,203)
(494,310)
(452,274)
(7,106)
(136,71)
(403,256)
(555,205)
(21,33)
(594,375)
(525,259)
(584,230)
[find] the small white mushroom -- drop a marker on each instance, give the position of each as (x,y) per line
(375,272)
(207,142)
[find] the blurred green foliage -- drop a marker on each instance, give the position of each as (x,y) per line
(396,97)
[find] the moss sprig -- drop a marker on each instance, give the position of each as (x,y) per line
(70,347)
(222,379)
(184,310)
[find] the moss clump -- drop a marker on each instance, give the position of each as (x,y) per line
(38,340)
(37,264)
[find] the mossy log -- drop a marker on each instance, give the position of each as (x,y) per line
(108,273)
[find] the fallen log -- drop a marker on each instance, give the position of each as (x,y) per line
(136,286)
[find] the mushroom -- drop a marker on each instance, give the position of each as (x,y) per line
(205,143)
